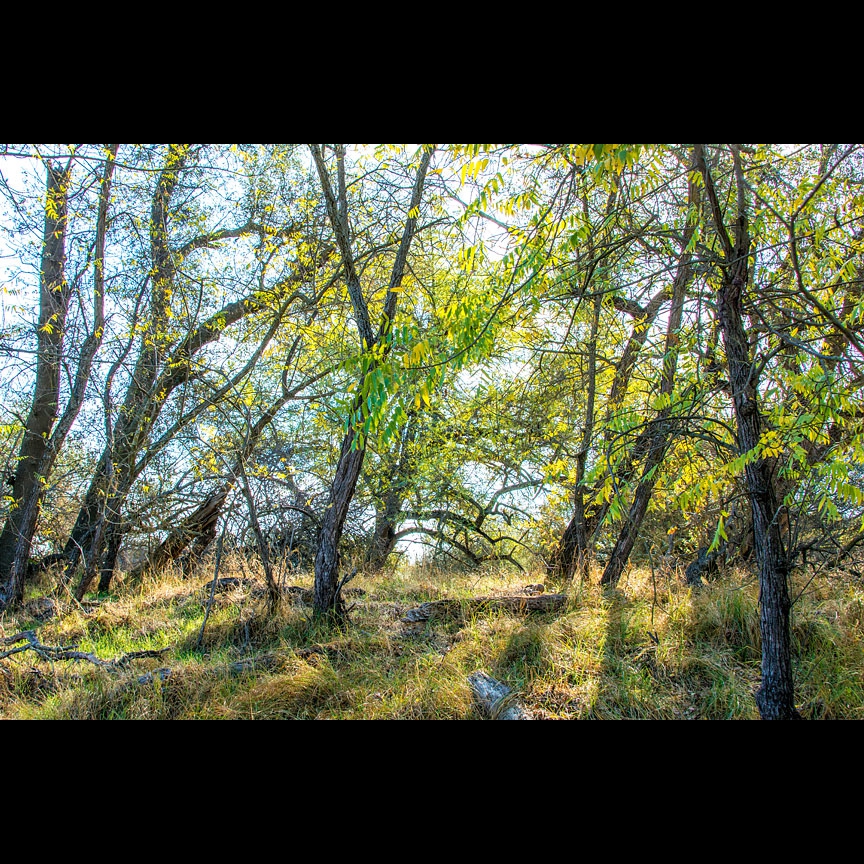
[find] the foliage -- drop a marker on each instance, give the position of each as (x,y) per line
(528,388)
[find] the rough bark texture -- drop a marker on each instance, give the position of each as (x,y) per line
(328,600)
(776,695)
(389,511)
(198,529)
(53,306)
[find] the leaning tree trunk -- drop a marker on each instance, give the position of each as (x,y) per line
(53,306)
(660,431)
(573,549)
(328,595)
(105,498)
(198,528)
(776,695)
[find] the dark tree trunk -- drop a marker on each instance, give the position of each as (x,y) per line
(574,547)
(198,529)
(776,698)
(328,599)
(109,562)
(659,432)
(328,596)
(389,512)
(53,306)
(572,554)
(383,539)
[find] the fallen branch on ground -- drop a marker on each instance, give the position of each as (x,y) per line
(53,653)
(519,605)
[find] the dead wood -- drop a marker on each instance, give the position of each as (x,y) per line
(70,652)
(495,699)
(519,605)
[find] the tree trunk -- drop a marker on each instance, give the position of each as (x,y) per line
(198,528)
(573,550)
(53,306)
(776,696)
(383,539)
(638,508)
(387,516)
(328,598)
(660,431)
(109,563)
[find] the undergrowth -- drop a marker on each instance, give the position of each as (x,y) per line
(653,649)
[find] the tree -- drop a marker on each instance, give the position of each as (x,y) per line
(328,599)
(167,353)
(43,441)
(776,696)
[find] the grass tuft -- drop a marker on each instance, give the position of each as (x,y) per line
(654,649)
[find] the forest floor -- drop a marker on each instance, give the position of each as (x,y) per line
(652,649)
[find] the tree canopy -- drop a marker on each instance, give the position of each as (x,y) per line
(554,356)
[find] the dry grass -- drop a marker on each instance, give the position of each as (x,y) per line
(653,649)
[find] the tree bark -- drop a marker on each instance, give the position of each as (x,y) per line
(573,550)
(53,307)
(389,512)
(328,600)
(661,429)
(198,529)
(776,695)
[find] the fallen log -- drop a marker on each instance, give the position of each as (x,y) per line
(496,700)
(519,605)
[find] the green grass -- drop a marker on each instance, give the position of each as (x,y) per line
(651,650)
